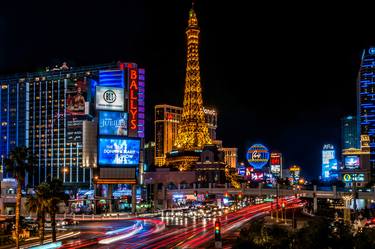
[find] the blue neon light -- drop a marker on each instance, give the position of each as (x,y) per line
(258,156)
(112,78)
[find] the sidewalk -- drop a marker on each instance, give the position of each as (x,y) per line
(31,241)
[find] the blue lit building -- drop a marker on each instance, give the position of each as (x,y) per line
(46,112)
(350,135)
(328,153)
(366,101)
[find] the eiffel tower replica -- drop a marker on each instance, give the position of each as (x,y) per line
(192,133)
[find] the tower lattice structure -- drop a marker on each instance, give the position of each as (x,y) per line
(192,130)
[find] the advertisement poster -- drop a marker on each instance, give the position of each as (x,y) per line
(113,123)
(76,95)
(118,152)
(110,98)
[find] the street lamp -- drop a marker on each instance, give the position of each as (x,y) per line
(347,198)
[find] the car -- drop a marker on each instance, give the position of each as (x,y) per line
(69,222)
(370,223)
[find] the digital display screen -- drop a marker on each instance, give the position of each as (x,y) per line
(275,161)
(257,176)
(110,98)
(353,177)
(248,171)
(328,155)
(241,171)
(117,152)
(352,162)
(113,123)
(275,169)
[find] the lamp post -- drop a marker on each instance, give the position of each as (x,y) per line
(354,187)
(149,192)
(347,198)
(277,200)
(65,170)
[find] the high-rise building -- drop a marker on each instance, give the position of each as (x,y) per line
(46,111)
(366,101)
(349,133)
(328,153)
(211,121)
(167,118)
(230,156)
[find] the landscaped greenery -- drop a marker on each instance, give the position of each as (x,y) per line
(319,233)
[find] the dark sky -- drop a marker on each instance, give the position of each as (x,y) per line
(282,75)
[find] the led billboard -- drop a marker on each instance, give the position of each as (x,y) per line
(113,123)
(117,152)
(248,171)
(275,163)
(351,162)
(241,171)
(275,169)
(353,177)
(257,176)
(110,98)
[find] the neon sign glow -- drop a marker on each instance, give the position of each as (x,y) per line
(133,103)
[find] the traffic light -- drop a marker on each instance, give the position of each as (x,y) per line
(195,193)
(206,194)
(226,194)
(217,231)
(240,195)
(283,205)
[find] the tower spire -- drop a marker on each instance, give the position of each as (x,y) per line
(192,130)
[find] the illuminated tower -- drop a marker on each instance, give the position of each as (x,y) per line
(366,102)
(192,130)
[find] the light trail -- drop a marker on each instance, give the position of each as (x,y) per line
(121,237)
(61,237)
(123,229)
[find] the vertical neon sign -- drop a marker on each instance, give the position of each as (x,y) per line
(133,103)
(141,103)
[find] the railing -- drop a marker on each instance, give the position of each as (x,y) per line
(319,193)
(109,216)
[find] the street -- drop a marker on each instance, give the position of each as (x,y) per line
(162,232)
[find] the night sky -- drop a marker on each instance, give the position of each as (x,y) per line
(282,75)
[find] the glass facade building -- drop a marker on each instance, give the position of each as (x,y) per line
(45,111)
(366,101)
(350,137)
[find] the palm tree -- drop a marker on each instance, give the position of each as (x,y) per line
(19,162)
(39,204)
(57,196)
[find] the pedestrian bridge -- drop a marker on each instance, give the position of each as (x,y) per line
(327,194)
